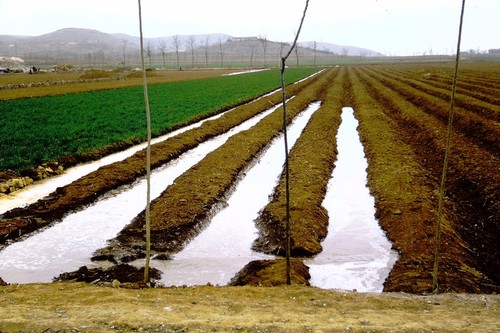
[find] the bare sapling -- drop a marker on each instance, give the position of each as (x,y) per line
(287,185)
(148,154)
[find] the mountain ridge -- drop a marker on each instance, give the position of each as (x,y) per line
(92,46)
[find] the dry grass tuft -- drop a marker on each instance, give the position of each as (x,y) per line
(78,307)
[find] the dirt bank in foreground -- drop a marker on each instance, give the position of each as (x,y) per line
(77,307)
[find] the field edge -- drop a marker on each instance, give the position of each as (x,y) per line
(68,307)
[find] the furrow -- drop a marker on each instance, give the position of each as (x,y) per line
(311,162)
(489,110)
(481,131)
(467,85)
(472,189)
(186,206)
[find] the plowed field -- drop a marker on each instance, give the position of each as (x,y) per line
(403,114)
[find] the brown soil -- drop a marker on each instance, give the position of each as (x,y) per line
(124,274)
(185,207)
(264,273)
(271,273)
(307,182)
(404,137)
(403,129)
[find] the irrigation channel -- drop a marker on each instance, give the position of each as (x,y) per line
(42,188)
(224,247)
(37,191)
(356,254)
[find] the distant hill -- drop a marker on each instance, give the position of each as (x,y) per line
(71,43)
(91,48)
(342,49)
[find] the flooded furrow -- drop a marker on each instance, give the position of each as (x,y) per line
(32,193)
(69,244)
(186,207)
(224,247)
(356,253)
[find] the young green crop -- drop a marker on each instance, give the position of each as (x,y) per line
(45,129)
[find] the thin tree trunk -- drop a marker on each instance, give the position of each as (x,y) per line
(437,237)
(148,155)
(287,186)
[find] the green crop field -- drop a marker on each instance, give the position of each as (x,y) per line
(37,130)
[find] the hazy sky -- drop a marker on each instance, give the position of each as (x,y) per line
(393,27)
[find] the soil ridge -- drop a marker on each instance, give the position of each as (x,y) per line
(412,201)
(310,168)
(183,209)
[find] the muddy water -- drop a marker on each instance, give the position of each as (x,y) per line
(69,244)
(356,253)
(224,247)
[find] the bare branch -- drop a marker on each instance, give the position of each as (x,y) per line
(298,32)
